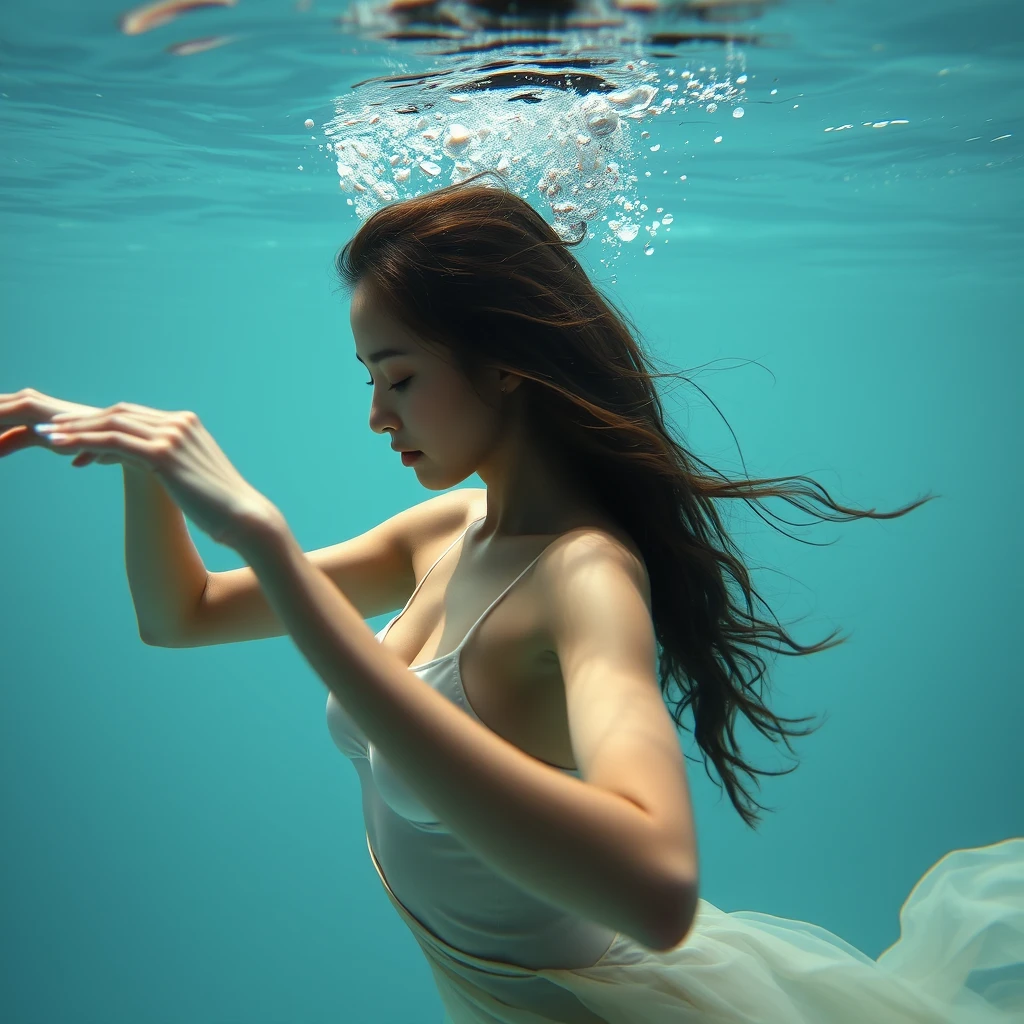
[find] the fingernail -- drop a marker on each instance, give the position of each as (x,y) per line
(44,428)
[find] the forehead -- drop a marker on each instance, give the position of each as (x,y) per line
(369,317)
(377,334)
(362,305)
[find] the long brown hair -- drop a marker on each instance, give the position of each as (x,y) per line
(476,270)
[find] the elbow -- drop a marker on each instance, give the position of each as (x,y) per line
(675,917)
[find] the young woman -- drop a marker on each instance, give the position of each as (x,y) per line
(528,811)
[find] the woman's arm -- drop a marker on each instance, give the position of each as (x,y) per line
(166,573)
(571,843)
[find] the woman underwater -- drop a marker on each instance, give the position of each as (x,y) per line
(528,811)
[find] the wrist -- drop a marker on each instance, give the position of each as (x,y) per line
(259,525)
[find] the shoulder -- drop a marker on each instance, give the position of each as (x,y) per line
(457,507)
(441,518)
(474,501)
(594,599)
(602,555)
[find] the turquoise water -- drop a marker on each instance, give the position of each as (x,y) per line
(183,841)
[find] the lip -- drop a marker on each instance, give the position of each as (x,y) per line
(408,458)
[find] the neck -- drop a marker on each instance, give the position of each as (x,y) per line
(531,492)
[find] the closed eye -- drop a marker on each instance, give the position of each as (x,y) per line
(400,386)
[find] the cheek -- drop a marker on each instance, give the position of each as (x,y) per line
(448,408)
(445,401)
(431,412)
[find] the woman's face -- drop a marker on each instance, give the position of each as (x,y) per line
(423,401)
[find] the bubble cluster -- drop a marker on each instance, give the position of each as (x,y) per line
(580,154)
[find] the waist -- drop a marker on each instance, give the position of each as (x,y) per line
(478,917)
(469,983)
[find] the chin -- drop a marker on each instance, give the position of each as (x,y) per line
(443,481)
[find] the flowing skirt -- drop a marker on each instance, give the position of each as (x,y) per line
(959,960)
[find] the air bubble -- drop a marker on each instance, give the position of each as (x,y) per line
(458,135)
(576,170)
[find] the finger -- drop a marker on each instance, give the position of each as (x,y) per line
(19,409)
(17,438)
(90,415)
(104,420)
(110,446)
(33,407)
(9,436)
(75,434)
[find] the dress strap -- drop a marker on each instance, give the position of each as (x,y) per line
(426,574)
(487,610)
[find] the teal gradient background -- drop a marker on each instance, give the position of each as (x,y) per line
(182,840)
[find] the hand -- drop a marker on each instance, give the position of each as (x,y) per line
(174,446)
(30,407)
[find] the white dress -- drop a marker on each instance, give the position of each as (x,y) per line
(959,960)
(499,955)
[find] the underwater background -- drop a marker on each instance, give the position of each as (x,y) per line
(814,210)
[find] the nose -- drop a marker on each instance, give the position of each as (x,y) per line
(381,418)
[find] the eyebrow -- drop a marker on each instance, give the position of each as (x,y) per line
(384,353)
